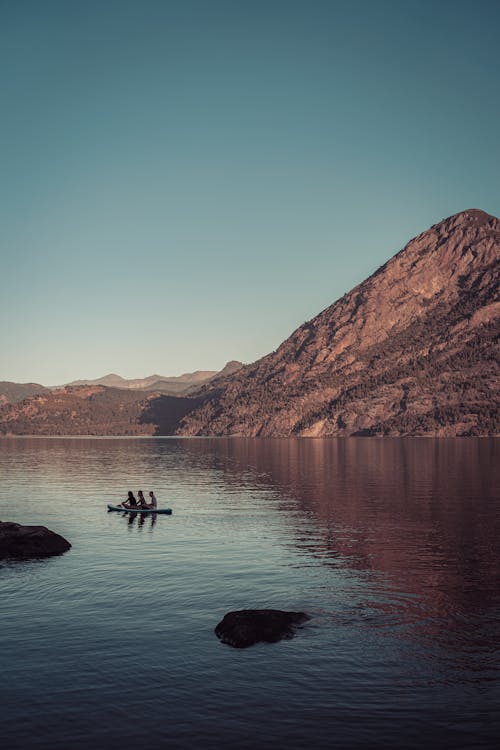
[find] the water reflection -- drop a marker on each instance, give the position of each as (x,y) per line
(392,545)
(141,520)
(419,519)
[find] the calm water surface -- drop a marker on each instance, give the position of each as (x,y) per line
(390,545)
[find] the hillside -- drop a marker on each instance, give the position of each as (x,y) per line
(14,392)
(76,410)
(111,405)
(94,410)
(413,350)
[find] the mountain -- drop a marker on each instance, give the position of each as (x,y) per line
(98,409)
(112,381)
(14,392)
(116,381)
(173,385)
(413,350)
(94,410)
(75,410)
(229,369)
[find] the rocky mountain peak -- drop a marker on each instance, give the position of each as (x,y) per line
(432,307)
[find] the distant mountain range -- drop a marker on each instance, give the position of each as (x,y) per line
(173,385)
(413,350)
(96,407)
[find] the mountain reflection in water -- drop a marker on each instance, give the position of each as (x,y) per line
(390,545)
(423,514)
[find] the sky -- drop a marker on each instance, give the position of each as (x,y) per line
(185,183)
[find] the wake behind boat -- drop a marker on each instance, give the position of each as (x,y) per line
(165,511)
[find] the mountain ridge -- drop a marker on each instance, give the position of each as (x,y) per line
(11,392)
(178,382)
(359,366)
(412,350)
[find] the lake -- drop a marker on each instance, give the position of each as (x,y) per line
(391,545)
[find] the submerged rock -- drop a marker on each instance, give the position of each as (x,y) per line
(27,542)
(245,627)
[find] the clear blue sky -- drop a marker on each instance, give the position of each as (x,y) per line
(184,183)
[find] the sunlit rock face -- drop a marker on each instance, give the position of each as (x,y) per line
(411,350)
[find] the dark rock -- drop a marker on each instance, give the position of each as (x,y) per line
(28,542)
(248,626)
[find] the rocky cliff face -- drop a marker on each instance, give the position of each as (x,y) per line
(411,350)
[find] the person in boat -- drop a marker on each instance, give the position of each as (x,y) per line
(152,500)
(130,502)
(141,500)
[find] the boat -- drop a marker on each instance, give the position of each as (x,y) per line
(165,511)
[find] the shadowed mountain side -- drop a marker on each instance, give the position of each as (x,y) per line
(173,389)
(413,350)
(166,412)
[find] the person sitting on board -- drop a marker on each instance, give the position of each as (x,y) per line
(141,500)
(152,500)
(130,502)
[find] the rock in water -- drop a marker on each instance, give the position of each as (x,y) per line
(245,627)
(28,542)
